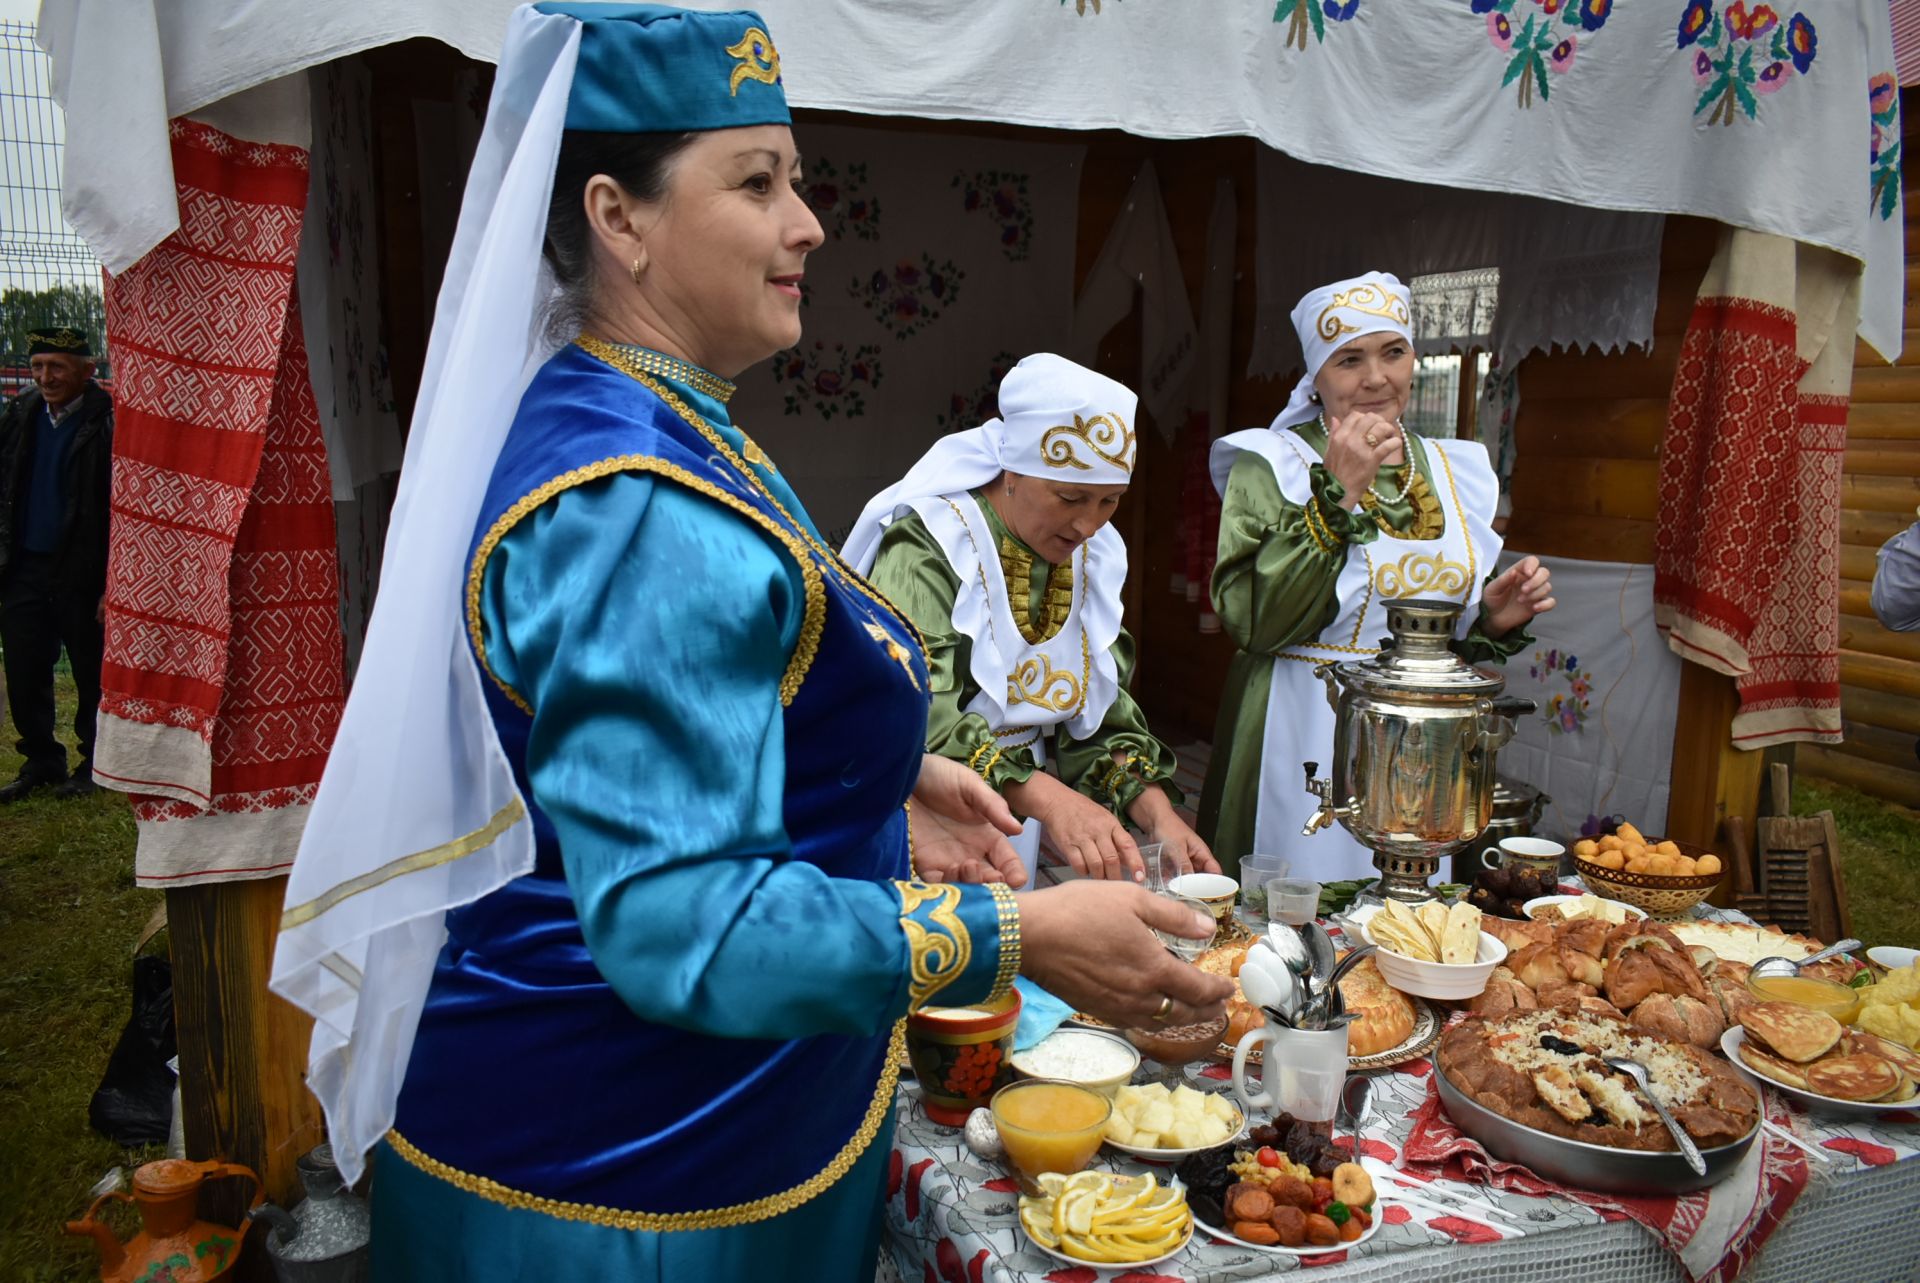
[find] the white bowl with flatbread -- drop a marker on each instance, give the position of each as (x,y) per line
(1452,981)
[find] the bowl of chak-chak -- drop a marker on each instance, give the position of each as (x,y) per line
(1435,951)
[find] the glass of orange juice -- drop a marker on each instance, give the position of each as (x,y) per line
(1049,1126)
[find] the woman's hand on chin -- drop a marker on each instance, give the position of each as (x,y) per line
(1516,595)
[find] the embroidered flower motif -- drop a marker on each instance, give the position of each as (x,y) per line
(1772,78)
(1548,40)
(828,381)
(1551,6)
(1883,93)
(1695,21)
(911,296)
(1002,198)
(1500,31)
(1340,12)
(1593,14)
(1743,24)
(841,203)
(1562,56)
(969,409)
(1564,714)
(1883,153)
(1702,67)
(1802,42)
(1304,16)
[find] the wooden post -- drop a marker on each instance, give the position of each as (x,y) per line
(243,1050)
(1711,779)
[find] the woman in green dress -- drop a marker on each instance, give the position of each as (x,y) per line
(998,545)
(1326,517)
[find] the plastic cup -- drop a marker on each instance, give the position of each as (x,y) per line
(1255,872)
(1293,901)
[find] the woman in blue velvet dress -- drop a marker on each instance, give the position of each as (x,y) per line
(668,1048)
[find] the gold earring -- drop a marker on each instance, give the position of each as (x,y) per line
(636,270)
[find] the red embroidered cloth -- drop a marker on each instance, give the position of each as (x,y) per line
(1714,1232)
(223,680)
(1747,555)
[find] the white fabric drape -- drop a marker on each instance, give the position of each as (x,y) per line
(1601,742)
(418,811)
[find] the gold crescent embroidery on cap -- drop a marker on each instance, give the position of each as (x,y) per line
(1420,572)
(1107,435)
(758,59)
(1368,298)
(1036,681)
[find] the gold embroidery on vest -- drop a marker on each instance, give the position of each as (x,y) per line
(1420,572)
(1106,435)
(895,651)
(1016,567)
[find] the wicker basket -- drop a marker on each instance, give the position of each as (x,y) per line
(1661,895)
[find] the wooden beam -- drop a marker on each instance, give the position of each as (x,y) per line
(243,1051)
(1711,779)
(1869,777)
(1584,538)
(1880,422)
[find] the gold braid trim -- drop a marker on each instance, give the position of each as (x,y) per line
(813,621)
(846,574)
(1007,911)
(973,759)
(907,808)
(760,1209)
(1466,536)
(1016,567)
(1359,620)
(939,956)
(434,856)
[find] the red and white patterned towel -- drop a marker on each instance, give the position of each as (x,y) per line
(1747,559)
(1715,1232)
(223,680)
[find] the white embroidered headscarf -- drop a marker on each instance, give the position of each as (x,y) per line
(1058,420)
(1329,318)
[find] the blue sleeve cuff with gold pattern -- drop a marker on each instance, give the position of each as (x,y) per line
(963,942)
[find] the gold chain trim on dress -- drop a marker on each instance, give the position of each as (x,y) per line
(759,1209)
(1007,911)
(813,622)
(1107,436)
(672,367)
(842,571)
(1466,535)
(446,853)
(940,956)
(1016,567)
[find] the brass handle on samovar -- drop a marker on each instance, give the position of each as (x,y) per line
(1326,813)
(1498,727)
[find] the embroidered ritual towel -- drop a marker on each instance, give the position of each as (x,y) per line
(1747,577)
(223,682)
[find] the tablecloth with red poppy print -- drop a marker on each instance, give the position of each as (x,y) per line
(950,1216)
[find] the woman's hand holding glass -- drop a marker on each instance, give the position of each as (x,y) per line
(1099,946)
(1180,847)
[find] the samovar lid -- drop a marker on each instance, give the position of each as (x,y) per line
(1417,659)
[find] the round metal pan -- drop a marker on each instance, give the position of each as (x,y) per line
(1583,1166)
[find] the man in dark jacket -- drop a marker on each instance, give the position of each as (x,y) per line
(56,456)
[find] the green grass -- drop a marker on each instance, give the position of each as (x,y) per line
(1879,859)
(69,914)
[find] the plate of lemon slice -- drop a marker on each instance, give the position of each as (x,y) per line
(1107,1219)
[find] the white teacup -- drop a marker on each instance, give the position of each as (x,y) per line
(1535,853)
(1215,890)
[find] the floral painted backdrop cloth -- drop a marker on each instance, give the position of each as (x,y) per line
(1601,741)
(1747,548)
(950,1216)
(222,684)
(947,259)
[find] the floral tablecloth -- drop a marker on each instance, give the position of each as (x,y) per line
(950,1215)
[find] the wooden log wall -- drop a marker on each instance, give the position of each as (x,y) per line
(1879,669)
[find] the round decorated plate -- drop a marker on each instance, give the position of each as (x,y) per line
(1730,1044)
(1315,1250)
(1417,1043)
(1058,1255)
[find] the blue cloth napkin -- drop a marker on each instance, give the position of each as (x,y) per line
(1040,1013)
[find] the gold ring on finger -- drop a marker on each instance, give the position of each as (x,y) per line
(1372,439)
(1166,1009)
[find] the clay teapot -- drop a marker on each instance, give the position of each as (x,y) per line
(172,1245)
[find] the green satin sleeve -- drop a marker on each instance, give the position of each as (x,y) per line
(657,751)
(1278,566)
(1122,759)
(913,573)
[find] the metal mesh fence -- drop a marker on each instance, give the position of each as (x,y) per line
(48,276)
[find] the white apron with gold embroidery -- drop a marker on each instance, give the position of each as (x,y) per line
(1027,688)
(1300,722)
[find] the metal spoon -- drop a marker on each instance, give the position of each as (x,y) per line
(1638,1072)
(1356,1097)
(1325,1002)
(1788,967)
(1292,950)
(1320,951)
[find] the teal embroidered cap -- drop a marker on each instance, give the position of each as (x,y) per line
(649,68)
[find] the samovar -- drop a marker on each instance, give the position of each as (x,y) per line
(1416,729)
